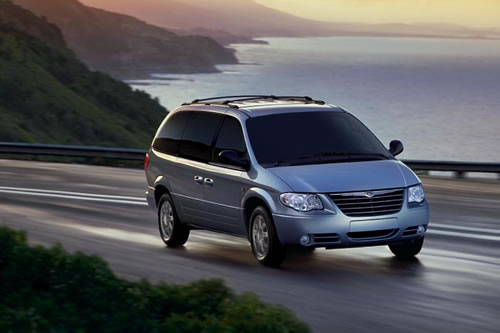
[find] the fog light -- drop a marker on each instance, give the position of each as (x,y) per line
(420,230)
(304,240)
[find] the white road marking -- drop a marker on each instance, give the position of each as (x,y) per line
(463,235)
(463,228)
(76,197)
(21,189)
(434,228)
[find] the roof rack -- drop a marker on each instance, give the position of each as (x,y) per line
(228,100)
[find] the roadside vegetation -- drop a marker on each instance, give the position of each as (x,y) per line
(50,290)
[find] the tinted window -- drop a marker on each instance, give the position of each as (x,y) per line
(312,137)
(230,138)
(170,135)
(198,136)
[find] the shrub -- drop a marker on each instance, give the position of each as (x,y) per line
(50,290)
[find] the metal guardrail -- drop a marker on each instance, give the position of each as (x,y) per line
(72,151)
(459,168)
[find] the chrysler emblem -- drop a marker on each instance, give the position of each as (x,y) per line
(369,194)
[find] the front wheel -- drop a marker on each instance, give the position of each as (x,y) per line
(408,249)
(172,231)
(266,246)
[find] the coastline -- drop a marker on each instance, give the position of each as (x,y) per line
(414,81)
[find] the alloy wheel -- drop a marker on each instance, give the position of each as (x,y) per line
(260,237)
(167,220)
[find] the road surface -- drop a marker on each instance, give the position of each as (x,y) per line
(453,286)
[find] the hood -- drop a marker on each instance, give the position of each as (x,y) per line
(345,177)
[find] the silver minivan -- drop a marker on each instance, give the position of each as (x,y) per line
(282,172)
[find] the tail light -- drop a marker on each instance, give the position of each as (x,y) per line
(146,162)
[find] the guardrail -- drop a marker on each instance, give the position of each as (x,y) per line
(72,151)
(458,168)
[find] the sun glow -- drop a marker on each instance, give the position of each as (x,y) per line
(479,13)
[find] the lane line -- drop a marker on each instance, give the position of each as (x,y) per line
(51,195)
(22,190)
(433,225)
(434,228)
(485,259)
(458,234)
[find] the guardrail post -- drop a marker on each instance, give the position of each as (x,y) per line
(460,174)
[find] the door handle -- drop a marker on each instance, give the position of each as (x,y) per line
(209,182)
(198,179)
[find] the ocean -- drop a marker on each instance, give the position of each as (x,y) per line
(441,97)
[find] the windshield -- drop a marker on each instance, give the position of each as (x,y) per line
(311,138)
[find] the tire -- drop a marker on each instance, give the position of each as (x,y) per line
(172,231)
(408,249)
(266,246)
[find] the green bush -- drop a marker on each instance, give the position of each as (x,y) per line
(50,290)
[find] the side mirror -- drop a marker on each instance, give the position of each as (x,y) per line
(230,157)
(396,147)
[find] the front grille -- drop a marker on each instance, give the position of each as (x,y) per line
(369,203)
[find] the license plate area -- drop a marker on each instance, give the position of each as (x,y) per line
(373,225)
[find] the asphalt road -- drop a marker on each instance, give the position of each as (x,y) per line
(454,285)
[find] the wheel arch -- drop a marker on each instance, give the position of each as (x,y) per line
(252,199)
(161,187)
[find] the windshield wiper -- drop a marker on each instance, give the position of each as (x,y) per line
(325,157)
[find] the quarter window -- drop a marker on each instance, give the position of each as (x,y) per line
(198,136)
(167,141)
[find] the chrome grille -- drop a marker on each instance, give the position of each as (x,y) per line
(369,203)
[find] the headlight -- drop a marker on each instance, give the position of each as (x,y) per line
(301,202)
(416,194)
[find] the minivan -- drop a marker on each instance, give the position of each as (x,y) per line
(283,172)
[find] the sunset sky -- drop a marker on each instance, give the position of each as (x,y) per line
(479,13)
(471,13)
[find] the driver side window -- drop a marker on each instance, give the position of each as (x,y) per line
(230,138)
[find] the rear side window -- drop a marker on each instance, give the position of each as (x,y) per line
(170,135)
(230,138)
(198,136)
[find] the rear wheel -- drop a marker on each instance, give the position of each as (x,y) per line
(266,246)
(407,249)
(172,231)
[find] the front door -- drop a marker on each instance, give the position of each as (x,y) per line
(223,184)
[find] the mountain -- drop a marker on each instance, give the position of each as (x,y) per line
(249,18)
(48,96)
(125,46)
(40,28)
(242,17)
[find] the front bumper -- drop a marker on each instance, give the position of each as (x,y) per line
(337,230)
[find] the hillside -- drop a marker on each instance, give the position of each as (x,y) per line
(23,20)
(249,18)
(126,47)
(241,17)
(49,96)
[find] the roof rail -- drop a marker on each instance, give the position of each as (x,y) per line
(227,100)
(230,97)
